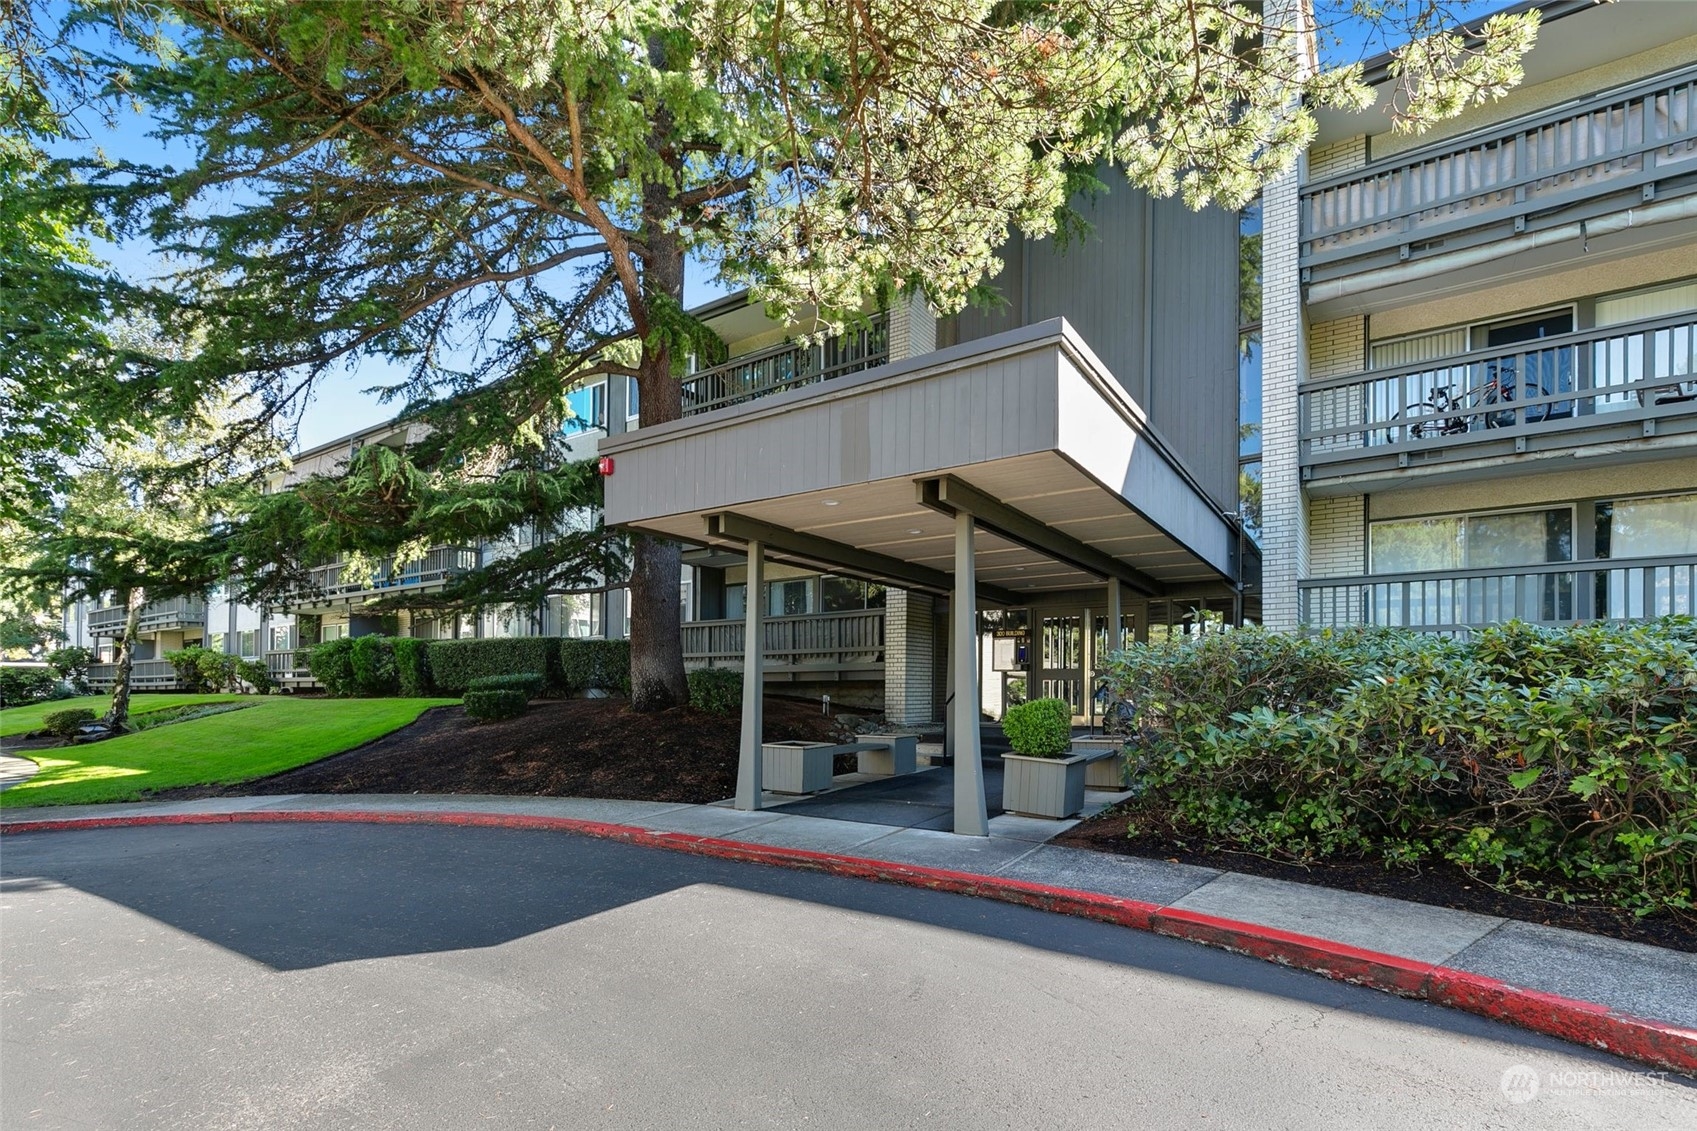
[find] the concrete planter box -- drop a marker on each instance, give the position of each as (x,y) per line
(1043,787)
(901,757)
(796,767)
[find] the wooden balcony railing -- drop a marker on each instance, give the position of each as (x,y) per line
(438,565)
(288,665)
(1621,383)
(1453,601)
(786,366)
(817,642)
(156,616)
(152,675)
(1512,174)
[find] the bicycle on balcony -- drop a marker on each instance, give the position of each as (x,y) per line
(1448,413)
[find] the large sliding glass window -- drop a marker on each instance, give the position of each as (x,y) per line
(1473,550)
(1663,526)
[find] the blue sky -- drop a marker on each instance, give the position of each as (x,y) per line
(340,405)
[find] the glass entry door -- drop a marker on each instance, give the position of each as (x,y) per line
(1061,674)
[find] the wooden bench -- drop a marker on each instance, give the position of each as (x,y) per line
(806,767)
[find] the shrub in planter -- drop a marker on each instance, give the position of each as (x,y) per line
(372,662)
(455,663)
(66,723)
(331,664)
(71,665)
(529,683)
(717,690)
(1041,728)
(26,685)
(412,666)
(597,664)
(496,703)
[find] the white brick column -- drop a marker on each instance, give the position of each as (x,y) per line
(913,328)
(1284,363)
(909,656)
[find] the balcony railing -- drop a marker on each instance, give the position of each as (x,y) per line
(822,642)
(1512,174)
(334,582)
(156,616)
(1461,600)
(151,675)
(288,665)
(1621,383)
(786,367)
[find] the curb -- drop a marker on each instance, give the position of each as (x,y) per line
(1661,1044)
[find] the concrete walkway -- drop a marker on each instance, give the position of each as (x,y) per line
(1625,978)
(14,770)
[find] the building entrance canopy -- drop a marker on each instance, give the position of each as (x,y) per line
(1003,471)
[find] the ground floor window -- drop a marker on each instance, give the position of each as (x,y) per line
(1474,541)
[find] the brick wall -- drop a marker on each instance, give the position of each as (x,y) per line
(1344,156)
(909,657)
(913,327)
(1284,362)
(1337,348)
(1337,536)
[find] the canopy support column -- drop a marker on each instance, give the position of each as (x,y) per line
(753,682)
(1116,619)
(971,812)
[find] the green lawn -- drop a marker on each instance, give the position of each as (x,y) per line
(22,720)
(277,733)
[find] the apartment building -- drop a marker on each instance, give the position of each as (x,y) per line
(1480,347)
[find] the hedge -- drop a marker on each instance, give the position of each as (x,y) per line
(19,685)
(455,663)
(331,664)
(718,690)
(495,703)
(67,722)
(597,664)
(412,666)
(531,683)
(1557,763)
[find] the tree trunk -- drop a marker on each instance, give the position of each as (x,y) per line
(656,628)
(118,714)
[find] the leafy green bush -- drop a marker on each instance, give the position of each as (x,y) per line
(203,670)
(1552,762)
(256,675)
(20,685)
(595,664)
(71,664)
(372,660)
(65,723)
(496,703)
(718,690)
(455,663)
(1041,728)
(332,665)
(530,683)
(412,666)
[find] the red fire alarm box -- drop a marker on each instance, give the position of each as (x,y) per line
(604,465)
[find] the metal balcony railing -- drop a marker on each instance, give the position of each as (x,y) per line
(328,583)
(816,642)
(786,366)
(1616,384)
(156,616)
(1455,601)
(1512,173)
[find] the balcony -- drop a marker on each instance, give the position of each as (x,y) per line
(156,616)
(145,675)
(786,366)
(288,666)
(1463,600)
(1620,385)
(816,646)
(330,589)
(1584,159)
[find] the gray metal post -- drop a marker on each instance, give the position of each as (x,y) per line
(753,682)
(1114,615)
(1087,665)
(949,688)
(971,816)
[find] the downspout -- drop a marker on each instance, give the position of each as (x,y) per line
(1661,212)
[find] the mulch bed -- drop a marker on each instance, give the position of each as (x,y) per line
(1442,885)
(558,748)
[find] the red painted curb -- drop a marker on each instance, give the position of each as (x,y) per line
(1657,1043)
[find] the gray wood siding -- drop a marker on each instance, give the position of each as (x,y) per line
(1171,345)
(1193,394)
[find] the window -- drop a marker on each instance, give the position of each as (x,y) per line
(1478,541)
(215,641)
(633,401)
(588,405)
(1249,370)
(282,639)
(1664,526)
(736,601)
(332,632)
(847,594)
(247,643)
(789,598)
